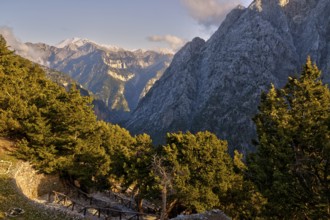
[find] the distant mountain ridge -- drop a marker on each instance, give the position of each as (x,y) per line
(216,85)
(116,76)
(78,42)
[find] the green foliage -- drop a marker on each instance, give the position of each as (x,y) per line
(199,165)
(117,142)
(138,170)
(57,130)
(131,159)
(242,200)
(204,176)
(291,166)
(139,165)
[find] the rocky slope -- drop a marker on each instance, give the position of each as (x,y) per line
(216,85)
(116,76)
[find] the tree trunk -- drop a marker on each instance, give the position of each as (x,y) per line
(138,199)
(171,206)
(163,214)
(140,204)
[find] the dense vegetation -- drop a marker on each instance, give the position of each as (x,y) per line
(292,165)
(287,177)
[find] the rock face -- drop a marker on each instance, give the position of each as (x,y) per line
(216,85)
(116,76)
(33,184)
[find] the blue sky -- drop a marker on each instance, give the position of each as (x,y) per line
(131,24)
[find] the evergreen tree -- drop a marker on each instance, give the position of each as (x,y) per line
(118,144)
(138,169)
(242,200)
(291,166)
(200,165)
(56,130)
(204,176)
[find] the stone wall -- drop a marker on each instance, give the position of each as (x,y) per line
(34,184)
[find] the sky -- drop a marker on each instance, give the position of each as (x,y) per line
(130,24)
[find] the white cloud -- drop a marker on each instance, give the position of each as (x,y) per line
(12,41)
(210,12)
(174,42)
(20,48)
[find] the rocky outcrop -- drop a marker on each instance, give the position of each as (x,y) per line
(209,215)
(216,85)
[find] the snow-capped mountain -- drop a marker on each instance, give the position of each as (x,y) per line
(73,41)
(216,85)
(116,76)
(78,42)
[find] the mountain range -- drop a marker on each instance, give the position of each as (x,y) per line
(216,85)
(118,77)
(210,85)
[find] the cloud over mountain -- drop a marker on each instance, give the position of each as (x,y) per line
(209,12)
(20,47)
(173,41)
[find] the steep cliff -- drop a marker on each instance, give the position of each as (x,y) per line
(216,85)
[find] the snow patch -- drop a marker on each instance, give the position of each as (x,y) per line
(75,40)
(78,42)
(121,77)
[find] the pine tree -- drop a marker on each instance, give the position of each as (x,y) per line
(200,164)
(291,166)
